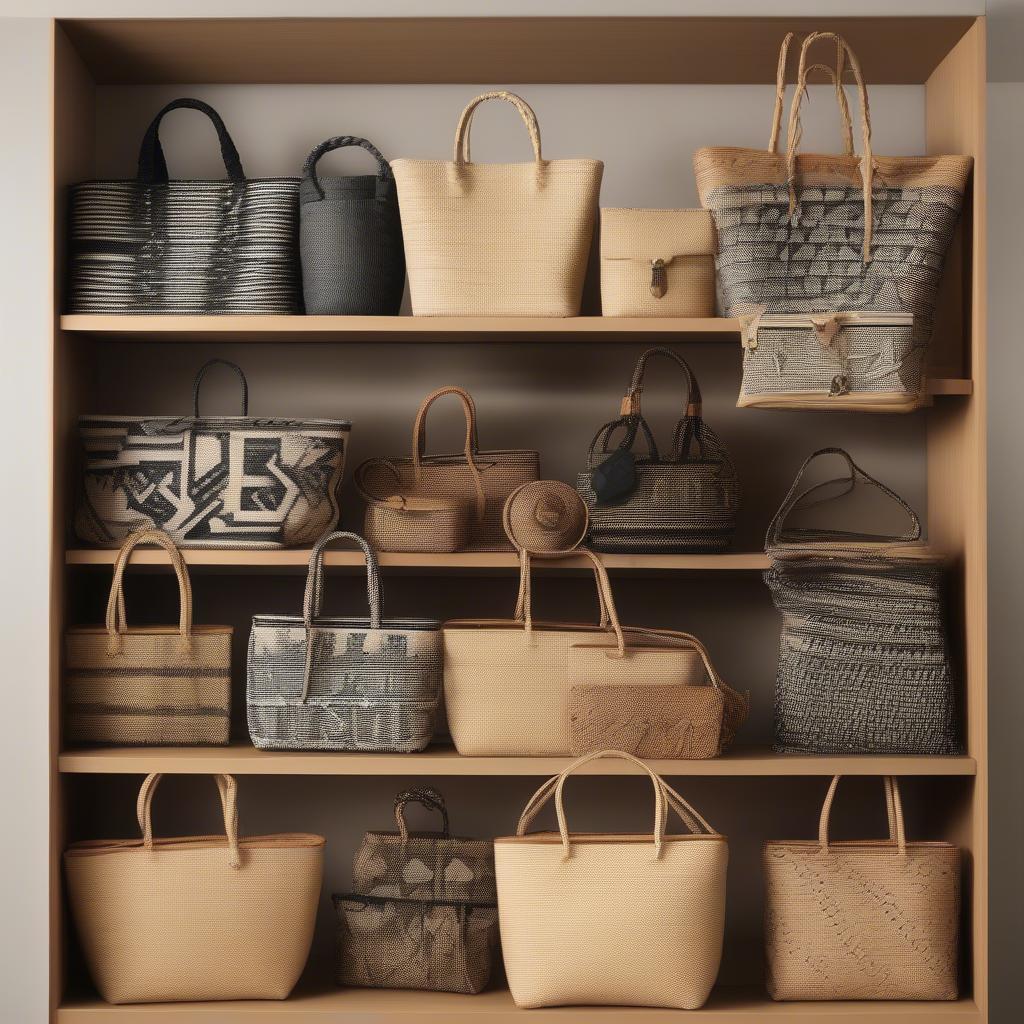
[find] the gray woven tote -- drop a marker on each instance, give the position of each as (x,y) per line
(350,237)
(320,683)
(864,665)
(686,502)
(153,245)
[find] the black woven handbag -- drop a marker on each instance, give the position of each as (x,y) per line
(864,664)
(153,245)
(350,236)
(686,502)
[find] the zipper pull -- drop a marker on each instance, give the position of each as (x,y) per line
(659,279)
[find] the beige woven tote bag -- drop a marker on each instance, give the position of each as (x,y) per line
(147,685)
(497,239)
(869,919)
(507,682)
(611,920)
(196,918)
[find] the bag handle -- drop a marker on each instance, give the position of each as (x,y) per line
(385,178)
(836,74)
(795,131)
(425,796)
(116,620)
(525,567)
(894,813)
(796,502)
(462,130)
(631,402)
(470,449)
(601,444)
(228,792)
(664,798)
(201,373)
(152,164)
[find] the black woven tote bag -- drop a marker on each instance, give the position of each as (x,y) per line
(646,503)
(864,664)
(153,245)
(350,236)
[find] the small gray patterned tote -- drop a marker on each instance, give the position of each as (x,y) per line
(322,683)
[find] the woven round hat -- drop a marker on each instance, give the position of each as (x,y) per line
(545,517)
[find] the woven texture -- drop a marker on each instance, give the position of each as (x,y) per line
(211,481)
(318,683)
(545,516)
(350,238)
(811,233)
(147,685)
(686,502)
(657,263)
(478,481)
(497,239)
(840,361)
(862,920)
(864,664)
(196,918)
(152,245)
(612,920)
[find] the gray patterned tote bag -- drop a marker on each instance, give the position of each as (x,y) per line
(211,481)
(317,682)
(864,663)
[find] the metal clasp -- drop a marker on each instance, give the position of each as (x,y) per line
(659,279)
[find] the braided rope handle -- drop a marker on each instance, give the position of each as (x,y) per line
(425,796)
(385,178)
(462,130)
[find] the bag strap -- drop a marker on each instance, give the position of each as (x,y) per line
(836,74)
(894,813)
(425,796)
(201,373)
(385,178)
(470,449)
(462,130)
(795,131)
(116,621)
(227,789)
(525,568)
(631,402)
(796,502)
(601,444)
(152,164)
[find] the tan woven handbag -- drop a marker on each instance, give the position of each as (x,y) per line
(612,920)
(508,682)
(497,239)
(868,919)
(477,481)
(657,263)
(147,685)
(196,918)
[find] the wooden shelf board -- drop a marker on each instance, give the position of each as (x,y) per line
(384,1006)
(244,759)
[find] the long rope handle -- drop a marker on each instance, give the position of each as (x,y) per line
(470,449)
(425,796)
(462,130)
(525,569)
(116,621)
(795,131)
(201,373)
(894,809)
(836,74)
(227,789)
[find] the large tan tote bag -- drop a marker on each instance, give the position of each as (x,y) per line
(147,685)
(870,919)
(497,239)
(507,682)
(196,918)
(612,920)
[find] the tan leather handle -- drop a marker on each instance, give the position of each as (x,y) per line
(894,809)
(462,130)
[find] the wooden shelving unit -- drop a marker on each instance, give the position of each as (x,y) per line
(944,54)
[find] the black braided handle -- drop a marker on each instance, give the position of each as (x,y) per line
(385,179)
(152,164)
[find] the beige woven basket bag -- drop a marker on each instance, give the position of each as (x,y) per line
(196,918)
(611,920)
(147,685)
(870,919)
(497,239)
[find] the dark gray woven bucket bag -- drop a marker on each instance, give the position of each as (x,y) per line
(153,245)
(685,502)
(350,236)
(864,665)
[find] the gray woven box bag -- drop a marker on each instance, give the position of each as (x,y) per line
(323,683)
(864,665)
(150,244)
